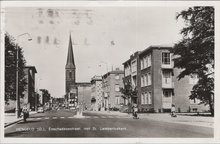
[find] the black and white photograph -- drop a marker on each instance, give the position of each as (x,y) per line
(139,70)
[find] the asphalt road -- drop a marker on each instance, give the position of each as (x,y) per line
(62,123)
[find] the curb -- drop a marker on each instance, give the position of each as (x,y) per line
(11,123)
(8,124)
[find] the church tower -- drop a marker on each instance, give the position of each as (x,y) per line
(70,69)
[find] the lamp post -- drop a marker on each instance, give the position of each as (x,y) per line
(17,76)
(37,93)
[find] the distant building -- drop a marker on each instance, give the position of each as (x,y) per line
(75,92)
(84,94)
(111,83)
(40,97)
(96,93)
(29,94)
(153,74)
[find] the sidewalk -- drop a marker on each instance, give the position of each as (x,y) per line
(165,117)
(11,118)
(183,119)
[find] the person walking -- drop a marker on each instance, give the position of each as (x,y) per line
(25,112)
(173,110)
(135,112)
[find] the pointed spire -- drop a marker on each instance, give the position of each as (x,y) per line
(70,58)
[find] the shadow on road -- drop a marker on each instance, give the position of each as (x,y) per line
(16,133)
(27,122)
(36,116)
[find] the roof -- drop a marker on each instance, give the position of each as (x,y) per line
(83,84)
(32,68)
(114,72)
(165,46)
(157,47)
(70,63)
(134,55)
(96,78)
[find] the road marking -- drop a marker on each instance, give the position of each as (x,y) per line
(111,116)
(95,117)
(38,118)
(104,117)
(62,117)
(46,117)
(54,118)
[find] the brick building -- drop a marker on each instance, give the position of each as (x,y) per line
(151,71)
(112,81)
(84,94)
(96,93)
(30,97)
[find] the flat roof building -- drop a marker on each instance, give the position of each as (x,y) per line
(152,73)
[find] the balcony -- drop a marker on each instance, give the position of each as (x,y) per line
(168,85)
(167,66)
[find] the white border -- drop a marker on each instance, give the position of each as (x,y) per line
(216,138)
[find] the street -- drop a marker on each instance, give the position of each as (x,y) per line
(63,123)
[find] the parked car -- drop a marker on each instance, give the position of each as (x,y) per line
(40,110)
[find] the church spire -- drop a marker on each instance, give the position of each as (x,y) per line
(70,57)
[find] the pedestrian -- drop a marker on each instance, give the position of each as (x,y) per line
(173,110)
(135,112)
(25,112)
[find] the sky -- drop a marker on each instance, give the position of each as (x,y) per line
(103,38)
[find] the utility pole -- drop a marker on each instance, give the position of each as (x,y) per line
(17,109)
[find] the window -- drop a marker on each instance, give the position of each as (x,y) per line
(166,58)
(145,80)
(146,98)
(127,70)
(142,82)
(149,60)
(70,75)
(142,99)
(167,77)
(117,77)
(117,87)
(145,62)
(149,78)
(117,99)
(149,98)
(142,64)
(167,93)
(134,66)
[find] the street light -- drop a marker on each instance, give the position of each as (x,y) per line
(37,88)
(17,79)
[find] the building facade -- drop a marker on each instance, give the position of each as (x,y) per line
(84,94)
(96,93)
(152,73)
(111,83)
(30,97)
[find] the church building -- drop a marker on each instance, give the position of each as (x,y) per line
(76,93)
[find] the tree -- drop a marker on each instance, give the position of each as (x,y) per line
(10,69)
(128,92)
(194,54)
(46,95)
